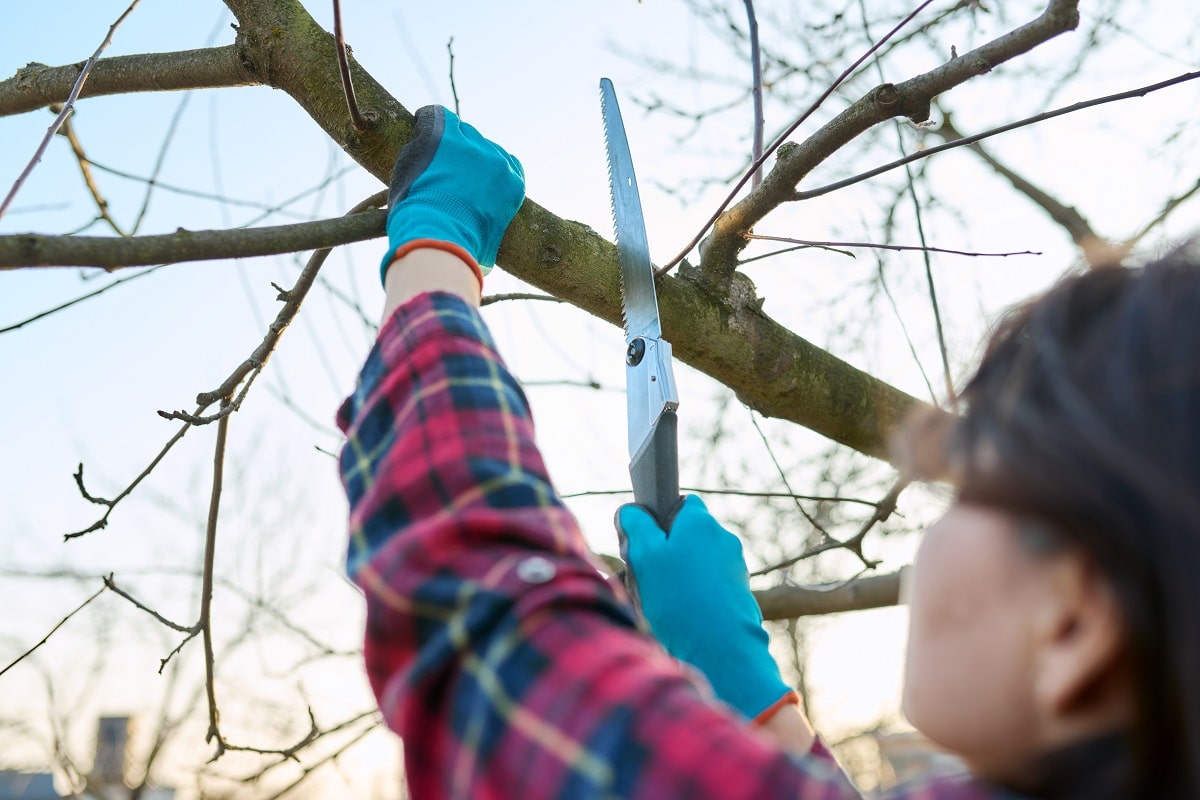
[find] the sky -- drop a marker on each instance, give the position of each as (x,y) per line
(84,385)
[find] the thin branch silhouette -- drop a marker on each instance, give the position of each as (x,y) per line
(68,107)
(758,162)
(53,630)
(877,246)
(68,131)
(1011,126)
(80,299)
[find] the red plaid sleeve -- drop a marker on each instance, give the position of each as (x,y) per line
(497,651)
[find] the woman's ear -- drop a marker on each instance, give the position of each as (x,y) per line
(1081,639)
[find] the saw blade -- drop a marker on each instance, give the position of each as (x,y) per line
(640,306)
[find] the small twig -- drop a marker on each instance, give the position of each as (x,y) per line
(287,753)
(786,250)
(68,130)
(497,298)
(69,303)
(111,504)
(1168,207)
(356,117)
(883,509)
(160,160)
(338,728)
(318,764)
(249,369)
(278,208)
(206,588)
(756,91)
(912,348)
(1021,123)
(53,630)
(67,108)
(783,477)
(111,584)
(758,162)
(453,88)
(896,247)
(192,634)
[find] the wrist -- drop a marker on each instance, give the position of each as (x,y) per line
(430,266)
(786,725)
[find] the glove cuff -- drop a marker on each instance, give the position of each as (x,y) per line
(791,698)
(431,244)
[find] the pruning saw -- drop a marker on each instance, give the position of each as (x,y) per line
(650,383)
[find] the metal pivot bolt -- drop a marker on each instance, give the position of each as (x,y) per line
(636,352)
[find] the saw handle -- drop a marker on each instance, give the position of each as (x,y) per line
(655,470)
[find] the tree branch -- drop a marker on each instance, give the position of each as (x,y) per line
(36,85)
(728,337)
(1141,91)
(911,99)
(23,250)
(789,602)
(68,106)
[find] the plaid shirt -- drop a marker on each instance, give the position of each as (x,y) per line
(497,651)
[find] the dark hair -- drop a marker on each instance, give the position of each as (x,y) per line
(1085,415)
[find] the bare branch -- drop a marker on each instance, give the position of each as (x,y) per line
(68,107)
(111,584)
(75,301)
(453,88)
(111,504)
(68,130)
(356,117)
(1168,208)
(896,247)
(53,630)
(159,161)
(206,590)
(249,369)
(728,337)
(789,602)
(314,766)
(756,91)
(1021,123)
(19,251)
(911,99)
(36,86)
(758,163)
(883,509)
(499,298)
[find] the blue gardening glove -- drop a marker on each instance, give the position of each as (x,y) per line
(695,593)
(451,185)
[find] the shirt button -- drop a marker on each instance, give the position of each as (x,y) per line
(536,569)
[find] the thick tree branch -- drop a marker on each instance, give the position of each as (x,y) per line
(789,602)
(728,337)
(911,99)
(38,250)
(36,85)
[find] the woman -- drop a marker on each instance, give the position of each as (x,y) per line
(1050,642)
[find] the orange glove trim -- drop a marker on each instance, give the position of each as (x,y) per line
(438,244)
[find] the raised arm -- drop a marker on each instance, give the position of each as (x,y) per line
(497,651)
